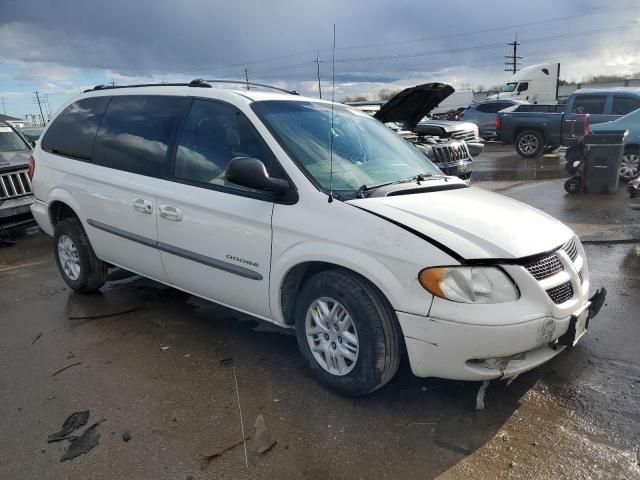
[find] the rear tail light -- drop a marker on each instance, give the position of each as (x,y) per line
(587,121)
(498,123)
(31,169)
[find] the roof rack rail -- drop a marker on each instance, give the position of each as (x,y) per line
(198,82)
(243,82)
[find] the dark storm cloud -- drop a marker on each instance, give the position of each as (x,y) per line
(138,37)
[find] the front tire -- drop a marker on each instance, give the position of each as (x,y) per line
(529,144)
(347,333)
(76,260)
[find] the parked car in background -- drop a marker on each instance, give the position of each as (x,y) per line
(405,110)
(16,195)
(532,130)
(312,216)
(484,114)
(32,134)
(630,162)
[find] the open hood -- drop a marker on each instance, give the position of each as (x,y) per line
(412,104)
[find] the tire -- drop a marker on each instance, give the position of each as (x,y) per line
(375,329)
(629,165)
(76,260)
(573,185)
(529,144)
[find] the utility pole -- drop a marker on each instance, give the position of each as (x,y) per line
(4,107)
(39,105)
(317,62)
(48,105)
(512,65)
(246,76)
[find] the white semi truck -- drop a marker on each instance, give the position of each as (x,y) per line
(536,84)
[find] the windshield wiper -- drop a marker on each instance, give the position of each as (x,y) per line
(420,177)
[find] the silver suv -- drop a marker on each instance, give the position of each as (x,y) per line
(15,186)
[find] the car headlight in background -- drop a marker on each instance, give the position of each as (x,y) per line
(469,284)
(476,131)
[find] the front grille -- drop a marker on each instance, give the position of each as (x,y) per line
(450,154)
(561,293)
(466,135)
(14,184)
(549,265)
(545,267)
(571,249)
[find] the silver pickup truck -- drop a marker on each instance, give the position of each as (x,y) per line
(15,185)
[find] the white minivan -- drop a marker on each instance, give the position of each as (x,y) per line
(314,216)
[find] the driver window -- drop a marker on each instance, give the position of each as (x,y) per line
(213,134)
(523,86)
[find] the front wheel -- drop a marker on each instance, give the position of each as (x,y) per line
(529,144)
(76,260)
(347,333)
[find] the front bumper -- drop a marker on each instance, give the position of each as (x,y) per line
(475,148)
(14,207)
(464,351)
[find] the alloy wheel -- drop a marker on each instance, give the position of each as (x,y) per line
(332,336)
(69,257)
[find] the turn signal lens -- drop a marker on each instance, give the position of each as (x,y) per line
(469,284)
(31,169)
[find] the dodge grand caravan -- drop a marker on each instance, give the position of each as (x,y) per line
(312,216)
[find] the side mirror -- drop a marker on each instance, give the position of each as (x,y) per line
(251,172)
(33,143)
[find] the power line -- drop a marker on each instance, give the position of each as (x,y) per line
(423,39)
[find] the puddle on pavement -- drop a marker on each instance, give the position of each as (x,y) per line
(518,169)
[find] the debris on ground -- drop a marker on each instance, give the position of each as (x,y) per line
(65,368)
(37,338)
(480,396)
(164,348)
(126,435)
(83,444)
(226,361)
(73,421)
(106,315)
(451,447)
(263,439)
(207,458)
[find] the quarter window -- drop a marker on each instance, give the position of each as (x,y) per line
(136,132)
(624,105)
(214,133)
(593,104)
(523,86)
(73,131)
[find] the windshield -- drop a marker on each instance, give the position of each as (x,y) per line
(10,141)
(365,152)
(511,86)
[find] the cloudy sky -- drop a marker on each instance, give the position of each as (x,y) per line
(60,47)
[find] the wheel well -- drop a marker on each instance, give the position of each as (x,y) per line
(524,129)
(59,211)
(297,277)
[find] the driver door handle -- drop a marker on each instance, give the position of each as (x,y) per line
(142,205)
(170,212)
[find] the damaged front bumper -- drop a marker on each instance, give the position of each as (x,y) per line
(465,351)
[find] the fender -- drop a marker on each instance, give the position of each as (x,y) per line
(58,194)
(401,293)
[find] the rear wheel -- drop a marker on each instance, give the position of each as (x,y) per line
(629,165)
(529,144)
(347,333)
(76,260)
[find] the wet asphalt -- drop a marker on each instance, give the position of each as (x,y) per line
(162,366)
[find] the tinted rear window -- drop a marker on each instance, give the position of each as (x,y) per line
(136,132)
(593,104)
(73,131)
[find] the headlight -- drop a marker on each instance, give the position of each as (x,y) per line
(469,284)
